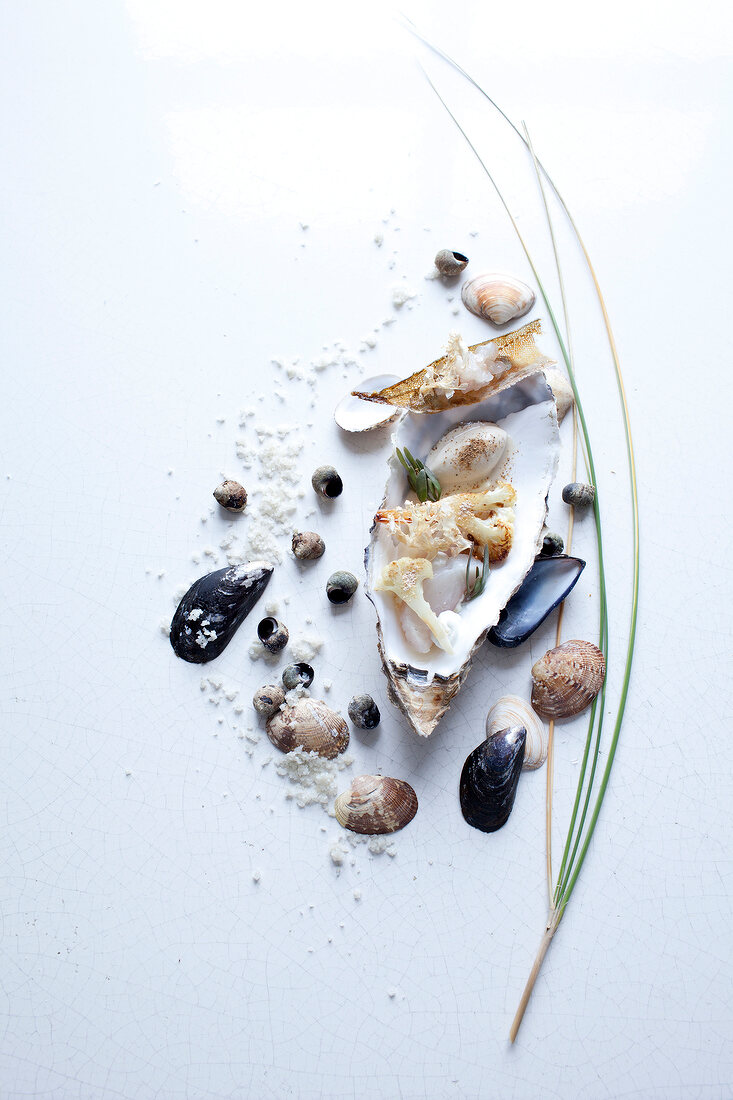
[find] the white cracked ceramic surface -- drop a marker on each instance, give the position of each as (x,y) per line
(190,191)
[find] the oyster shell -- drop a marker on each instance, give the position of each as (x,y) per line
(214,607)
(497,297)
(467,375)
(424,683)
(489,779)
(376,804)
(567,679)
(309,725)
(511,710)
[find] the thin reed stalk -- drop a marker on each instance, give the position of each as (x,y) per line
(577,840)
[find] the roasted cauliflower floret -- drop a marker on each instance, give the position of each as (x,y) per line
(404,578)
(453,524)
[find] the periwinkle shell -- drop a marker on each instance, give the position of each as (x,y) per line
(579,494)
(297,675)
(489,779)
(546,585)
(214,607)
(273,634)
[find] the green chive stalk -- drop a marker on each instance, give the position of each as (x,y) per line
(578,840)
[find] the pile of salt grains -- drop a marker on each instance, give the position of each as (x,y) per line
(273,454)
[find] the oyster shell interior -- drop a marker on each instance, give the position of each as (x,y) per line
(425,680)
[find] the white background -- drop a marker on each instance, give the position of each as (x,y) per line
(160,162)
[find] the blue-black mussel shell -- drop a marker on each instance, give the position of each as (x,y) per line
(213,609)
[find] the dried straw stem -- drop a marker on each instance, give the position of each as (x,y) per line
(552,923)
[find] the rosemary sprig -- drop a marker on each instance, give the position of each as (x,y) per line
(572,862)
(421,479)
(476,586)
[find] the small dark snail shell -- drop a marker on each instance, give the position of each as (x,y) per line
(267,700)
(552,544)
(341,586)
(450,263)
(231,495)
(327,483)
(579,494)
(273,634)
(300,674)
(364,712)
(308,545)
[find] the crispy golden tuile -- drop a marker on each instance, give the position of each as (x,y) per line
(517,348)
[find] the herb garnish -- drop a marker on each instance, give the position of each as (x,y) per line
(475,588)
(421,479)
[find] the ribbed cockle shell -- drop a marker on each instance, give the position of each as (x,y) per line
(376,804)
(509,711)
(310,725)
(567,679)
(497,297)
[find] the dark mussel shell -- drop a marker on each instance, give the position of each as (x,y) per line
(213,609)
(489,779)
(546,585)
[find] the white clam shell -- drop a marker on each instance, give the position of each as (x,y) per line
(511,710)
(354,415)
(497,297)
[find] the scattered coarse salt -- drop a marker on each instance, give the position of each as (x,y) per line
(306,646)
(257,652)
(338,854)
(256,876)
(314,776)
(401,294)
(293,695)
(357,895)
(379,844)
(274,502)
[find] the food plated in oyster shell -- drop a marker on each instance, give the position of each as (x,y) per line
(483,421)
